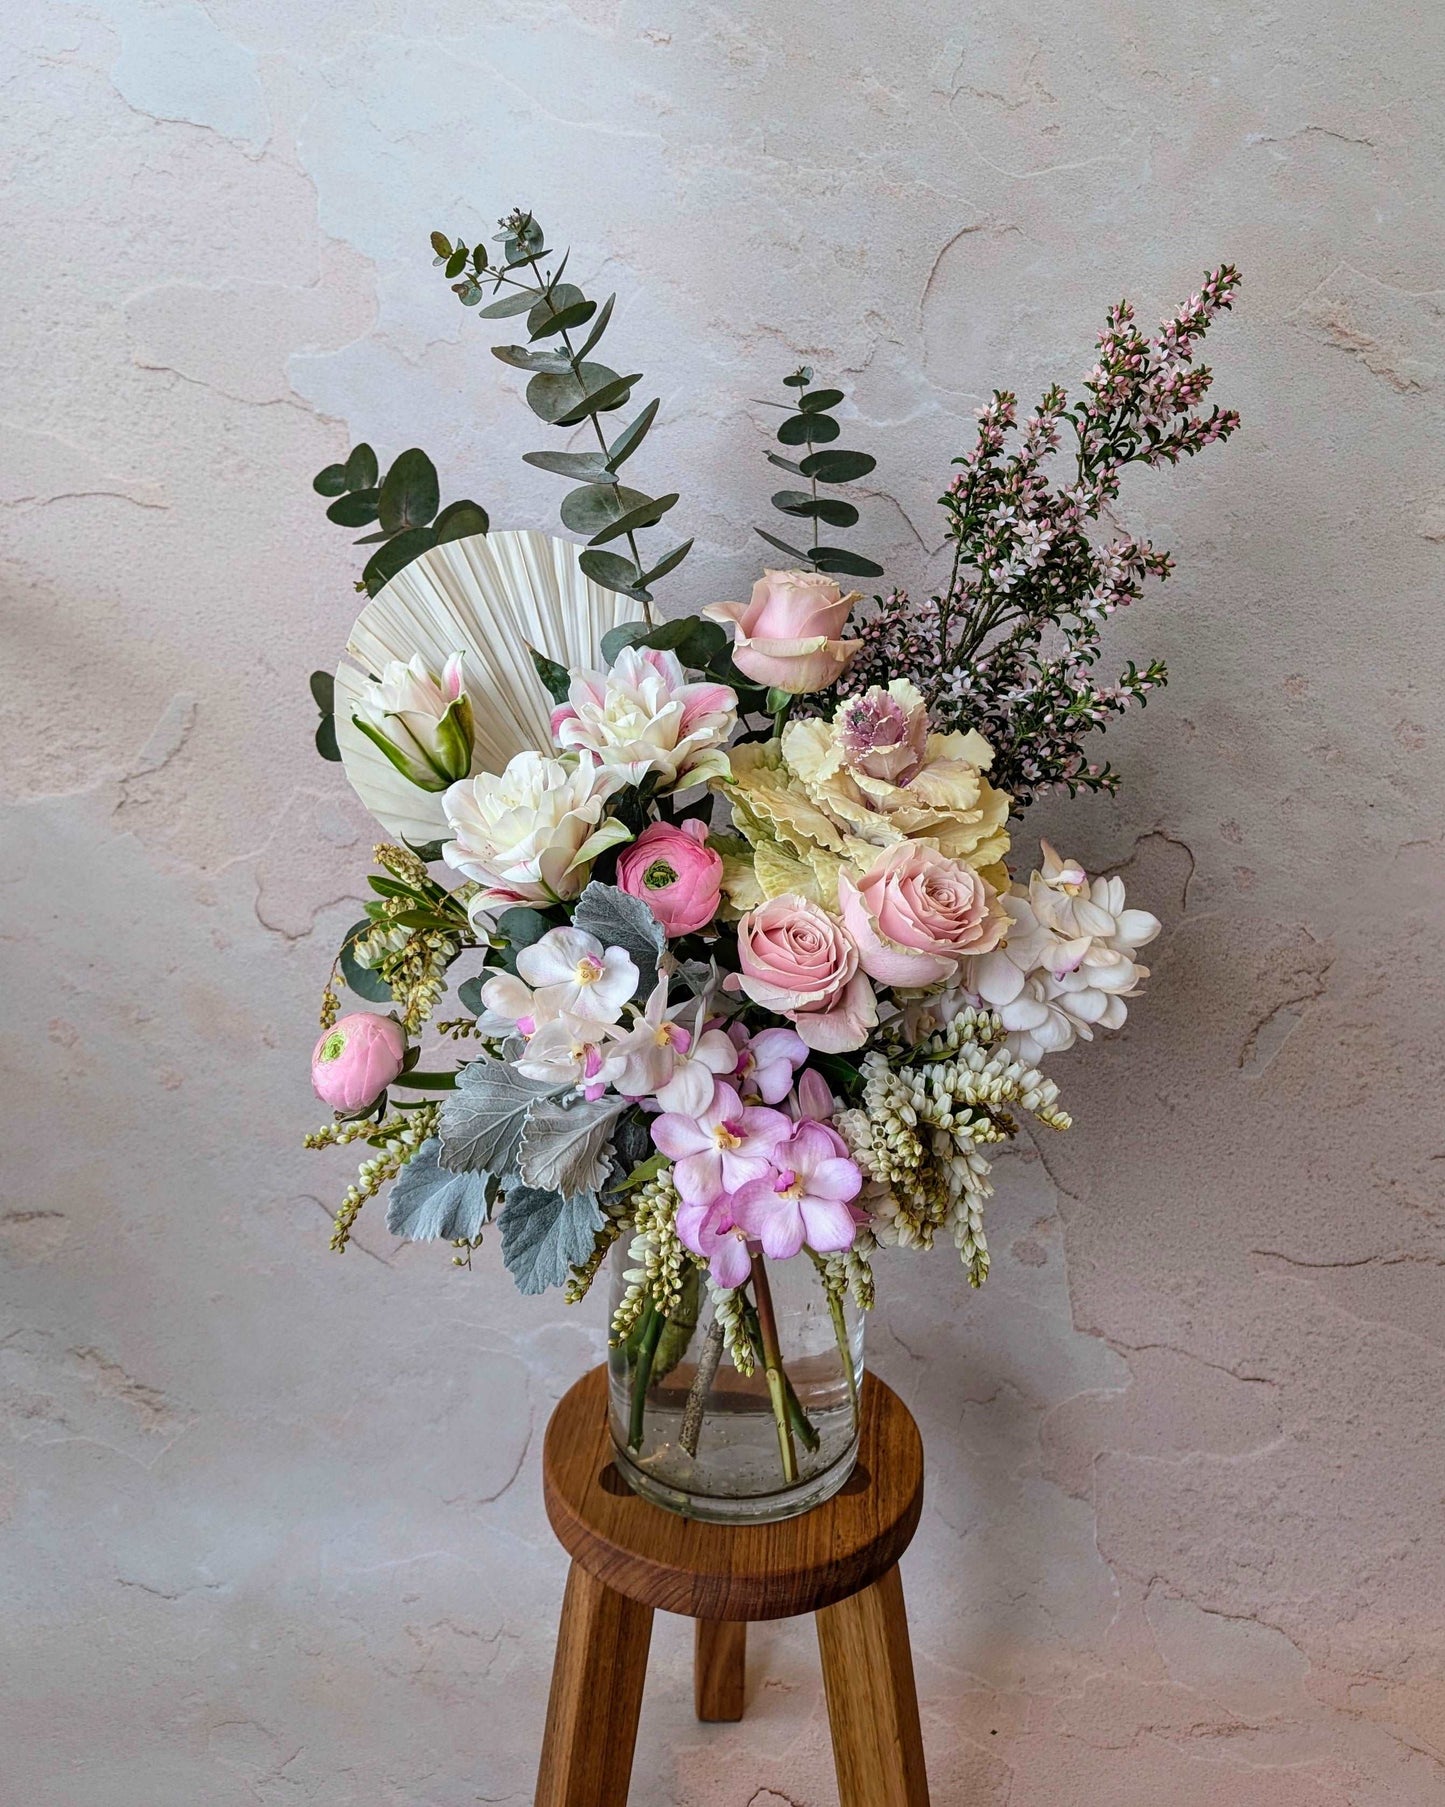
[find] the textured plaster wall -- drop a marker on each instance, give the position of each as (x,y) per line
(270,1520)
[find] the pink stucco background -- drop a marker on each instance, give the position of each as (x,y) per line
(270,1522)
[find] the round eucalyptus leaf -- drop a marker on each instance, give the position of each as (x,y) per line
(355,509)
(409,495)
(597,505)
(508,305)
(331,481)
(459,521)
(820,398)
(815,508)
(646,514)
(612,572)
(457,262)
(601,401)
(323,690)
(846,564)
(808,429)
(441,244)
(542,312)
(837,467)
(398,552)
(552,397)
(361,468)
(578,314)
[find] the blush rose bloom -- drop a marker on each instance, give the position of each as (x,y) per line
(796,960)
(788,631)
(357,1059)
(915,914)
(675,873)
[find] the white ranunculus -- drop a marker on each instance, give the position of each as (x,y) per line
(529,834)
(642,716)
(1068,963)
(422,723)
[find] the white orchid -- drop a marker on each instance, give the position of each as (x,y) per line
(528,834)
(643,717)
(657,1057)
(423,724)
(568,1050)
(572,974)
(1068,963)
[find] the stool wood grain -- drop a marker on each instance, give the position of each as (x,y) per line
(630,1558)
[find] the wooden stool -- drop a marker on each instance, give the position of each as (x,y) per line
(630,1558)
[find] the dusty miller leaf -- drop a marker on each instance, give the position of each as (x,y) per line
(427,1203)
(481,1123)
(564,1144)
(618,920)
(545,1234)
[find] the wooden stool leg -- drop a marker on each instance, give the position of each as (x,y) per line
(719,1667)
(872,1702)
(597,1681)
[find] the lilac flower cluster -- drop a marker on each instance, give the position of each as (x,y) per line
(1011,644)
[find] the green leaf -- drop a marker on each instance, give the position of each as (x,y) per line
(578,314)
(597,505)
(428,1204)
(361,979)
(599,326)
(331,481)
(545,1235)
(800,378)
(544,310)
(552,397)
(323,690)
(669,562)
(582,467)
(326,739)
(612,572)
(783,546)
(372,539)
(645,515)
(519,303)
(785,464)
(631,633)
(395,555)
(819,400)
(522,925)
(409,495)
(361,468)
(601,401)
(457,262)
(641,1173)
(627,442)
(815,508)
(459,521)
(836,467)
(469,993)
(556,679)
(555,363)
(356,509)
(808,429)
(849,564)
(441,244)
(467,293)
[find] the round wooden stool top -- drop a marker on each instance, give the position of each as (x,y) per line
(709,1571)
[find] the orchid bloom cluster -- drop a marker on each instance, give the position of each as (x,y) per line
(742,972)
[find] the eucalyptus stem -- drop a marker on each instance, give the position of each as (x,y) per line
(773,1366)
(652,1323)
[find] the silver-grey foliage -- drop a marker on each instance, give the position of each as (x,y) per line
(429,1204)
(565,1143)
(482,1121)
(545,1234)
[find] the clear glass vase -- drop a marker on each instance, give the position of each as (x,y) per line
(697,1434)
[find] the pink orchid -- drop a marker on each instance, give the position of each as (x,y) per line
(805,1199)
(722,1147)
(814,1099)
(767,1061)
(708,1230)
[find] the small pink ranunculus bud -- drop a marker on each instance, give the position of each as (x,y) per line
(356,1061)
(675,873)
(788,632)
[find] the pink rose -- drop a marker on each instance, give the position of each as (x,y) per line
(787,634)
(675,873)
(356,1061)
(916,913)
(798,961)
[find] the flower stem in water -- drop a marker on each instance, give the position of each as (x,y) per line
(652,1324)
(773,1364)
(707,1367)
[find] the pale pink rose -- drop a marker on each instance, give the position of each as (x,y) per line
(354,1062)
(915,914)
(798,961)
(788,631)
(675,873)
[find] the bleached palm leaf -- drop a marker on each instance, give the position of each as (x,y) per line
(491,596)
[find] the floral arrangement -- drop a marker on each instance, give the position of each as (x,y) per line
(744,975)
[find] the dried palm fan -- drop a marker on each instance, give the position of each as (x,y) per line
(492,597)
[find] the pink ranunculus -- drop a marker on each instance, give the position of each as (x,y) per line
(806,1198)
(798,961)
(915,914)
(675,873)
(788,631)
(354,1062)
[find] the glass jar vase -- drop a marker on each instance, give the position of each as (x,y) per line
(738,1407)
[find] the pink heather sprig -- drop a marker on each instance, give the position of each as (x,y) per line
(1026,573)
